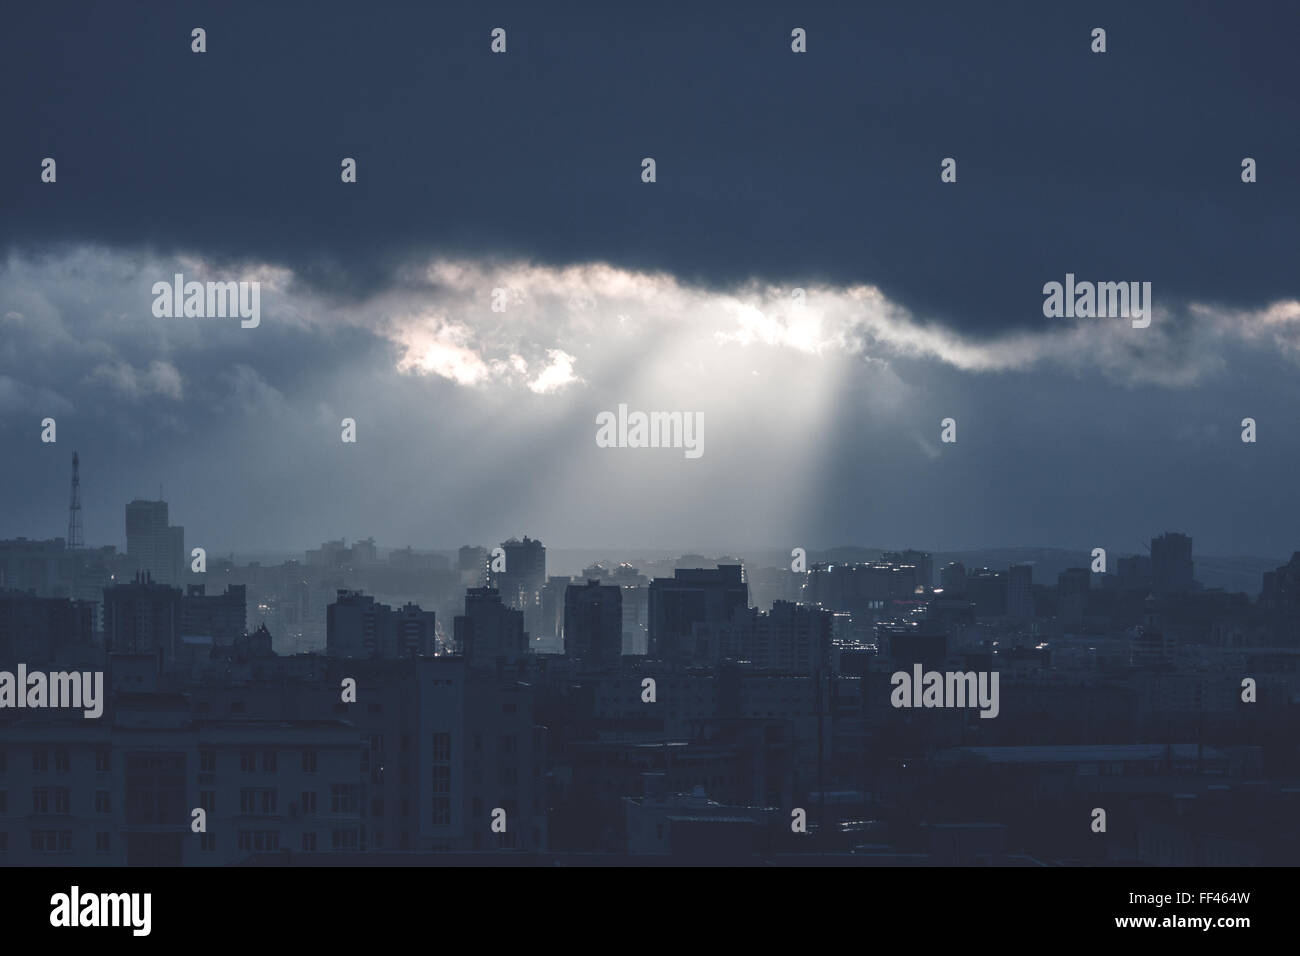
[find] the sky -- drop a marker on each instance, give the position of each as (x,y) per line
(774,171)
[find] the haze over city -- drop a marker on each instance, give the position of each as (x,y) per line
(759,435)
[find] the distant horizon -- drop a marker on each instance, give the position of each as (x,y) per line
(661,552)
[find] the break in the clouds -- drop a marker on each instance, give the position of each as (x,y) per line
(823,410)
(78,324)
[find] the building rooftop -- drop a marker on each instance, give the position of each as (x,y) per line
(1087,752)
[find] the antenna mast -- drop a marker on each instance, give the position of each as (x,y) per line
(74,508)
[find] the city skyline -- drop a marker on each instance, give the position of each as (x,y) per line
(753,435)
(830,545)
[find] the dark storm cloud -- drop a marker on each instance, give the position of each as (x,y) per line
(821,421)
(821,166)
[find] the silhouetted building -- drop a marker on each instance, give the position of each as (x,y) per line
(364,553)
(593,623)
(636,606)
(488,631)
(221,617)
(1135,573)
(923,561)
(472,565)
(522,580)
(331,554)
(550,636)
(35,630)
(693,828)
(152,545)
(865,590)
(471,558)
(339,556)
(143,617)
(1072,586)
(924,643)
(692,596)
(135,780)
(953,579)
(1020,591)
(1171,563)
(1281,595)
(46,567)
(358,627)
(636,601)
(987,589)
(791,638)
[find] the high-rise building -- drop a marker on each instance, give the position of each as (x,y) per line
(414,631)
(357,626)
(478,747)
(34,630)
(472,563)
(953,579)
(1072,586)
(636,598)
(521,583)
(152,545)
(593,623)
(1171,563)
(988,590)
(221,617)
(489,631)
(866,590)
(331,554)
(692,596)
(46,567)
(791,638)
(636,601)
(550,636)
(142,617)
(364,553)
(1281,597)
(1020,591)
(923,561)
(1135,573)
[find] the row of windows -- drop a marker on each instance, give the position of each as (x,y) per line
(52,841)
(261,841)
(57,800)
(57,842)
(240,707)
(248,758)
(344,800)
(255,802)
(207,760)
(41,760)
(258,841)
(248,761)
(62,760)
(441,811)
(441,747)
(250,841)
